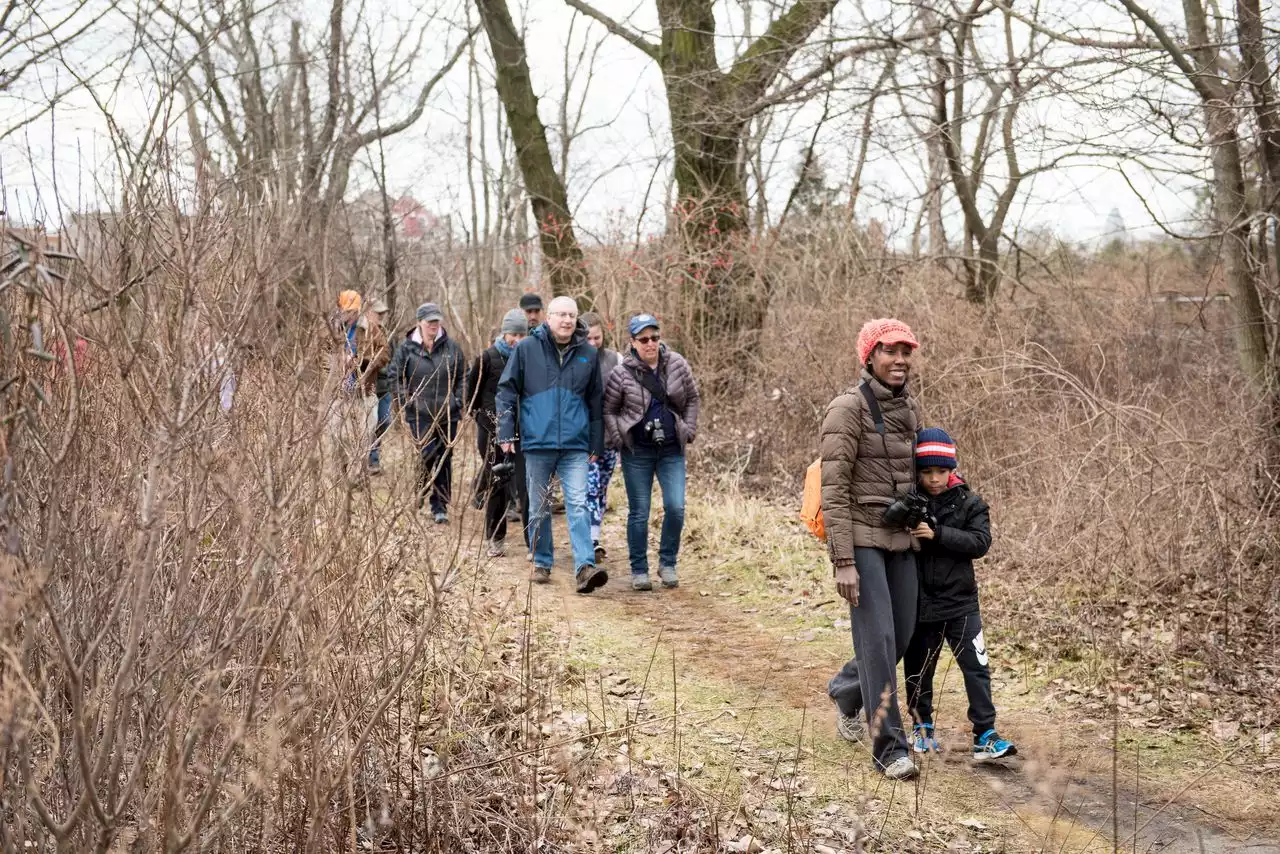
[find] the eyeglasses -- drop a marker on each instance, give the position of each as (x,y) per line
(648,339)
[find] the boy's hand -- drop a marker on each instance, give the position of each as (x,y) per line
(847,583)
(923,531)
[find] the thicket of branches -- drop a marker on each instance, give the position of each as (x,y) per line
(207,645)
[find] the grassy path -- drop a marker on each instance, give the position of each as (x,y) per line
(733,666)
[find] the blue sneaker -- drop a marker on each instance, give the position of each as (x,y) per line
(922,740)
(990,745)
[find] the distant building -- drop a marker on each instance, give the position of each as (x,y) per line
(412,220)
(1114,232)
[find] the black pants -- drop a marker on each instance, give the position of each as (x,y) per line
(434,438)
(497,493)
(964,636)
(883,623)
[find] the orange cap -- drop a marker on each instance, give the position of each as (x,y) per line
(884,330)
(349,301)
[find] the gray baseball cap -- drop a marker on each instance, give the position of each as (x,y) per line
(430,311)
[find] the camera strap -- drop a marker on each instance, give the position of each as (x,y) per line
(874,405)
(650,382)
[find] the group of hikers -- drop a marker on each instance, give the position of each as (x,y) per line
(549,400)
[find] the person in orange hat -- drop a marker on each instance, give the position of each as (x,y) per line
(344,327)
(339,399)
(868,464)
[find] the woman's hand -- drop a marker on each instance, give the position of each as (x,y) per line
(847,583)
(923,531)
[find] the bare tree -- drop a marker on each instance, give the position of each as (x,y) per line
(263,126)
(34,35)
(710,109)
(567,266)
(1214,77)
(1006,83)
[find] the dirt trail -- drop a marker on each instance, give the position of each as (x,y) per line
(1060,805)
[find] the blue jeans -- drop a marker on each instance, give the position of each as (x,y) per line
(639,467)
(571,466)
(383,424)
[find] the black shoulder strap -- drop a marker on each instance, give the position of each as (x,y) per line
(650,382)
(874,405)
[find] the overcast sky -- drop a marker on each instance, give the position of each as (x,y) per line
(619,166)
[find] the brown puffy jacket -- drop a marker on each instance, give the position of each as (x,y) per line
(863,471)
(626,401)
(373,354)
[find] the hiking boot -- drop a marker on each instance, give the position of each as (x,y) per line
(375,468)
(641,582)
(668,576)
(901,768)
(541,575)
(850,727)
(601,551)
(513,514)
(922,740)
(990,745)
(441,517)
(497,549)
(557,507)
(590,577)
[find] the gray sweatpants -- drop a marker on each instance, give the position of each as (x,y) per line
(883,623)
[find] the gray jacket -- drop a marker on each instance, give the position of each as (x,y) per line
(609,359)
(626,400)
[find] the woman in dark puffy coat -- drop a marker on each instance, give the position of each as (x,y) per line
(651,415)
(427,376)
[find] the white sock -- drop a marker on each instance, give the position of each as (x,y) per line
(595,533)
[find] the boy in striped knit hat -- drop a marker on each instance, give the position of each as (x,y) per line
(956,532)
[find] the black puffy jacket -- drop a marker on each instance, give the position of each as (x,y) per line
(482,387)
(948,587)
(428,384)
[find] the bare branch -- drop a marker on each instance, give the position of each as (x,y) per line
(650,49)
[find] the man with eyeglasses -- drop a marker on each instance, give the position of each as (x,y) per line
(552,381)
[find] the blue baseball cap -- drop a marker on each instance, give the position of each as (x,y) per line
(641,322)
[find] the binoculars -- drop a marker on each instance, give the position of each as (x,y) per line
(503,469)
(907,512)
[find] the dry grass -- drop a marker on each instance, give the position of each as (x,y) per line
(214,639)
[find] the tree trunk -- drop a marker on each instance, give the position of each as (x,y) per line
(983,286)
(565,262)
(1230,210)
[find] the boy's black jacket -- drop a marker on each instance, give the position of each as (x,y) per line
(948,587)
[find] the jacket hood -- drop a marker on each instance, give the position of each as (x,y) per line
(415,335)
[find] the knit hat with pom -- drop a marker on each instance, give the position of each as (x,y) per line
(884,330)
(935,448)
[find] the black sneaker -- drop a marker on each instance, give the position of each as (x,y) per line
(590,577)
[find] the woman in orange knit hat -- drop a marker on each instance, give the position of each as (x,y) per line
(868,464)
